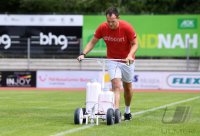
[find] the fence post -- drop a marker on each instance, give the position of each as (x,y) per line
(188,54)
(28,54)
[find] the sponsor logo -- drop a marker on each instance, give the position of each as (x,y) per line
(168,41)
(147,82)
(5,40)
(43,78)
(184,80)
(51,39)
(162,41)
(135,78)
(107,78)
(187,23)
(18,80)
(114,39)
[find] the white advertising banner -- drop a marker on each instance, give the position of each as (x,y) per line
(164,80)
(147,80)
(41,20)
(144,80)
(167,80)
(182,80)
(141,80)
(66,79)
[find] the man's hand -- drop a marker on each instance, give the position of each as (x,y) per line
(129,60)
(81,57)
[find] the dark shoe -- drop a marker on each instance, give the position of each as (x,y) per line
(127,116)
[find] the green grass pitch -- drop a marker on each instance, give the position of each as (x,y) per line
(48,113)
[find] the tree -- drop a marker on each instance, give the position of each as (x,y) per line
(99,6)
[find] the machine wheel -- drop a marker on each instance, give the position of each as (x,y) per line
(110,116)
(117,116)
(78,116)
(84,113)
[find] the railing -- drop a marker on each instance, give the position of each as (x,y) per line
(73,64)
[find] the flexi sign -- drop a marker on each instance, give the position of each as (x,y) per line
(184,80)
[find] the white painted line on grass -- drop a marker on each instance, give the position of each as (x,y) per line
(164,106)
(135,113)
(73,130)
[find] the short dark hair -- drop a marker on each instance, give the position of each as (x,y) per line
(112,10)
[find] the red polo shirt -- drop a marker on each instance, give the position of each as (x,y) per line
(118,40)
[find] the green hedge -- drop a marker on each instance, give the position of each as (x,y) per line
(98,6)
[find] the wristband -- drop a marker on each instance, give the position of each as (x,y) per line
(82,54)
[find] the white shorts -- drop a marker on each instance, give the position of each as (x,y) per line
(120,70)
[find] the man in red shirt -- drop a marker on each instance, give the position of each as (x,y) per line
(121,42)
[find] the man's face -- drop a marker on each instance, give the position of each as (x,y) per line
(112,21)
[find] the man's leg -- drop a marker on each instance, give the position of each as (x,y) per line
(127,93)
(127,98)
(116,85)
(115,76)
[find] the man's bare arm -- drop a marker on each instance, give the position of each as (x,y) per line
(134,47)
(90,45)
(88,48)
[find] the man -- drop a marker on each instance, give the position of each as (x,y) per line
(121,42)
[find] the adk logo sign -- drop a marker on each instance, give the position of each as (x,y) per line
(187,23)
(184,80)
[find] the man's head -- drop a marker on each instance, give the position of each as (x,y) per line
(112,16)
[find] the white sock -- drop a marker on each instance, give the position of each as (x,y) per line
(128,109)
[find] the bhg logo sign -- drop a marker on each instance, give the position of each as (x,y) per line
(184,80)
(51,39)
(5,40)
